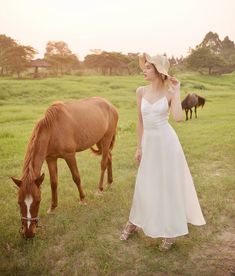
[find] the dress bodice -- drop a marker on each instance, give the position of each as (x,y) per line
(154,114)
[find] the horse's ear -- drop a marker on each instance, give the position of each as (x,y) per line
(16,181)
(39,180)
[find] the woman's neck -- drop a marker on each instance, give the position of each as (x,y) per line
(157,86)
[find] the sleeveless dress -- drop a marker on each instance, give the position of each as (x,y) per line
(164,199)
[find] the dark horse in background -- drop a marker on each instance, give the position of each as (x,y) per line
(190,101)
(67,128)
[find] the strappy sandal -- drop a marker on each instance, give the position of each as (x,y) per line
(166,244)
(128,230)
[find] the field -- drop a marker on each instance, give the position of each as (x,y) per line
(84,240)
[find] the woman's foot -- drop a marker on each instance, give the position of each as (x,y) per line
(166,244)
(128,230)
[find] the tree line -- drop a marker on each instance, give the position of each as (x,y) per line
(212,55)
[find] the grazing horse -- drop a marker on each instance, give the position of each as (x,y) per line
(190,101)
(67,128)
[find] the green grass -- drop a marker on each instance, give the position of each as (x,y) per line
(84,240)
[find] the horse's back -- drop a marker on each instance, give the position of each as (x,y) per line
(82,123)
(90,105)
(92,111)
(190,101)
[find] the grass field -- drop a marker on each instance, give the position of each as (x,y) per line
(84,240)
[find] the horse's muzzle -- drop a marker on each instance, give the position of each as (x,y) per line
(26,234)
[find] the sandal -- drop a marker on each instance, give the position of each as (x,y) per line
(166,244)
(128,230)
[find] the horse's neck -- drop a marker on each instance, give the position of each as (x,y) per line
(40,153)
(36,154)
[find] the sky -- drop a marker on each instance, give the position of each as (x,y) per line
(152,26)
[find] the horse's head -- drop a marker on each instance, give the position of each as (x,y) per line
(29,201)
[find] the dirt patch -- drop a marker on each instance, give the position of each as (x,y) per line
(217,259)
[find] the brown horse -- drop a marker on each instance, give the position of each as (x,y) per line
(66,128)
(190,101)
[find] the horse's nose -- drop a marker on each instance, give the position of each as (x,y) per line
(29,235)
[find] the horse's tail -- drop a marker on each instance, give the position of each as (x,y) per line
(201,101)
(112,142)
(98,151)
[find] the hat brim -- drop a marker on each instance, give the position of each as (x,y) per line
(145,57)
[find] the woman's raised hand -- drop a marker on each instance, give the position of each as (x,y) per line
(175,83)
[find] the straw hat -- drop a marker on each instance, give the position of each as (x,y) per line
(160,62)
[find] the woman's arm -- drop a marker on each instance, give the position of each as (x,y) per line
(176,108)
(139,92)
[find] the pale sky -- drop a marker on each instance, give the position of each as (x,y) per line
(151,26)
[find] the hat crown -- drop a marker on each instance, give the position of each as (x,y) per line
(163,61)
(160,62)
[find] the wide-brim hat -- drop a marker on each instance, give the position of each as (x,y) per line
(160,62)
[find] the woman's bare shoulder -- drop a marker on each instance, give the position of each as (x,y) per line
(140,90)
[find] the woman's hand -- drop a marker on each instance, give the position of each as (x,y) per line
(176,108)
(138,155)
(175,84)
(175,88)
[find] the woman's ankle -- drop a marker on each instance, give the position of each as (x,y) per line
(129,229)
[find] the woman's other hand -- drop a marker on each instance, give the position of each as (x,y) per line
(138,155)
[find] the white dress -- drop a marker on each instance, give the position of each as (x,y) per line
(164,199)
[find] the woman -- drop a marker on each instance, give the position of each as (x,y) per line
(165,199)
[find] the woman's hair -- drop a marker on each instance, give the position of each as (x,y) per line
(164,78)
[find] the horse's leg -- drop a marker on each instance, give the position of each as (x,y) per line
(186,112)
(109,168)
(52,166)
(195,110)
(191,112)
(104,161)
(72,164)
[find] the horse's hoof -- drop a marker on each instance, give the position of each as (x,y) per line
(109,186)
(99,193)
(83,202)
(51,211)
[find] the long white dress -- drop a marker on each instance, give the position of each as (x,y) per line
(164,199)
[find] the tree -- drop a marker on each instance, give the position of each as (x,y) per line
(133,64)
(203,57)
(21,57)
(213,54)
(227,48)
(112,62)
(60,56)
(212,41)
(14,57)
(106,62)
(172,61)
(6,46)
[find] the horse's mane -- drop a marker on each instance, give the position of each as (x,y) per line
(28,174)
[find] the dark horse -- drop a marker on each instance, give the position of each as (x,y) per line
(190,101)
(66,128)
